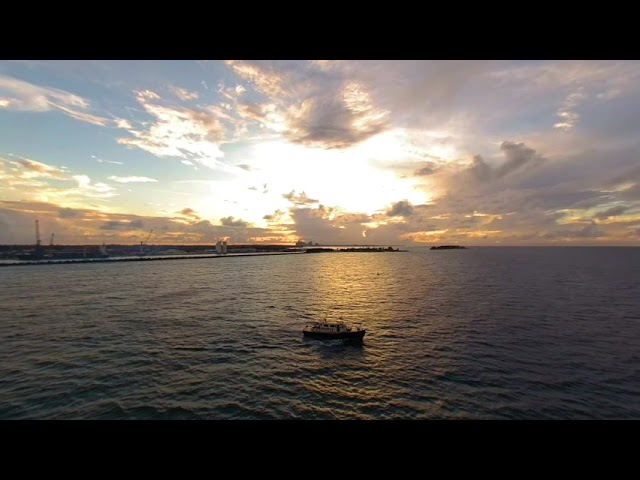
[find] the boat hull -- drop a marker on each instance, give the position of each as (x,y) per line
(358,335)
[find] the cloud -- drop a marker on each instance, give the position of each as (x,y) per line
(123,124)
(69,213)
(101,160)
(31,180)
(603,80)
(31,168)
(402,208)
(517,156)
(526,198)
(25,96)
(324,64)
(337,119)
(426,170)
(591,231)
(265,81)
(264,189)
(631,193)
(191,135)
(90,226)
(26,176)
(327,225)
(339,104)
(301,199)
(327,111)
(184,94)
(122,225)
(98,190)
(566,111)
(232,222)
(314,224)
(189,212)
(278,216)
(612,212)
(132,179)
(474,140)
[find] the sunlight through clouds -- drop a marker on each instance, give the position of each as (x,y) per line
(475,152)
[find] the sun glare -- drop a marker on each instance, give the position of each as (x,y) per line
(346,179)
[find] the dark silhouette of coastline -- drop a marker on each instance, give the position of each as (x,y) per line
(447,247)
(140,259)
(354,249)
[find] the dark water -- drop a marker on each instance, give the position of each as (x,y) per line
(486,333)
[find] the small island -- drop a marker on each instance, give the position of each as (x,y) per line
(446,247)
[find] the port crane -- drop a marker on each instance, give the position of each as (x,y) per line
(38,250)
(38,243)
(142,244)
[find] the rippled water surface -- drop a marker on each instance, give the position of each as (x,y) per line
(485,333)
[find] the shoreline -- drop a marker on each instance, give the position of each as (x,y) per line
(136,259)
(25,263)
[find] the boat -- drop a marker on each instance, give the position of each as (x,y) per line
(332,329)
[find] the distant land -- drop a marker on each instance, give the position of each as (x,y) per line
(37,254)
(446,247)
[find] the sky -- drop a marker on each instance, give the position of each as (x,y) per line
(330,151)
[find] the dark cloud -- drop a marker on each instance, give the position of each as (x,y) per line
(632,193)
(314,224)
(524,183)
(232,222)
(627,175)
(253,188)
(479,170)
(352,218)
(189,212)
(517,156)
(426,170)
(591,231)
(588,231)
(203,226)
(612,212)
(122,225)
(558,197)
(301,199)
(526,198)
(244,167)
(330,123)
(69,213)
(276,217)
(400,209)
(320,108)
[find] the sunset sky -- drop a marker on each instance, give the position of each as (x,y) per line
(337,152)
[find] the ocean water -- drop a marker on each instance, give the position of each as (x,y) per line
(483,333)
